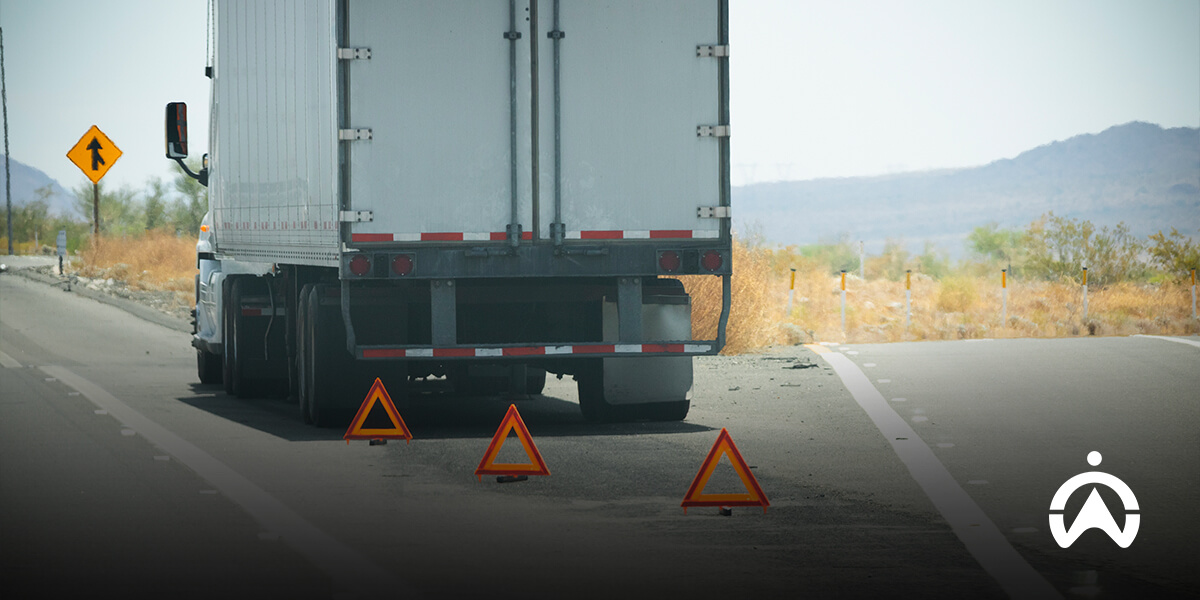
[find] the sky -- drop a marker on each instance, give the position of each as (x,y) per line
(818,89)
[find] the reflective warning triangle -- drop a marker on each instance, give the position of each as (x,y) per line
(377,395)
(724,446)
(512,422)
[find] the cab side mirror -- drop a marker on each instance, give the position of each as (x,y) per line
(176,129)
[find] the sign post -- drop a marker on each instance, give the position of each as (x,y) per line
(62,248)
(94,154)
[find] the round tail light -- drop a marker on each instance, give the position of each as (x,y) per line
(711,261)
(402,265)
(669,261)
(360,265)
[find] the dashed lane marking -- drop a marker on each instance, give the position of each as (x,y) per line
(972,526)
(348,568)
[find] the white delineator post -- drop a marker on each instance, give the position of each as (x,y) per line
(843,302)
(1085,306)
(907,298)
(1004,297)
(791,293)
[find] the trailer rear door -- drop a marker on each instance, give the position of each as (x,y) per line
(632,92)
(437,95)
(610,141)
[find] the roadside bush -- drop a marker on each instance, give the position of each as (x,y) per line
(1174,254)
(957,294)
(1060,247)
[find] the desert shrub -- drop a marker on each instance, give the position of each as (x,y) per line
(957,294)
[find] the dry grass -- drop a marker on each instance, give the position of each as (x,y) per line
(961,307)
(18,246)
(754,312)
(155,261)
(958,307)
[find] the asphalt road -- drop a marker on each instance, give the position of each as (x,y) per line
(120,474)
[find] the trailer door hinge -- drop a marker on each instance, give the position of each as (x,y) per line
(354,53)
(721,51)
(713,212)
(712,131)
(356,216)
(349,135)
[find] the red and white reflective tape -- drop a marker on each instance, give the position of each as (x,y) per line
(443,236)
(574,349)
(643,234)
(500,236)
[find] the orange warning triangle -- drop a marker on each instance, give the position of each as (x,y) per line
(512,422)
(377,395)
(754,495)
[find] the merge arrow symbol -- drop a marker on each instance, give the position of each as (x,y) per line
(95,148)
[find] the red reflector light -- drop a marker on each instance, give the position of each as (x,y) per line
(711,261)
(360,265)
(669,261)
(402,264)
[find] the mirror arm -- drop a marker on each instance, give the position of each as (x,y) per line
(202,176)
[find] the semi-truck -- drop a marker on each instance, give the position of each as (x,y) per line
(482,191)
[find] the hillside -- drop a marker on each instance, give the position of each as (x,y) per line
(1139,173)
(26,180)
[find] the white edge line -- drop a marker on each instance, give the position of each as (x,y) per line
(1170,339)
(350,569)
(972,526)
(8,362)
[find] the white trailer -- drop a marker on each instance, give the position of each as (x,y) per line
(482,190)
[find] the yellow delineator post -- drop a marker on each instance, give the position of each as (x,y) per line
(1193,293)
(843,302)
(1004,297)
(791,292)
(907,298)
(1085,307)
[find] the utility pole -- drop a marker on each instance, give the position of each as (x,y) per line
(7,179)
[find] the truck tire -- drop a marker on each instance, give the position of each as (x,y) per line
(302,350)
(327,365)
(590,383)
(596,408)
(208,367)
(236,345)
(227,310)
(535,381)
(664,411)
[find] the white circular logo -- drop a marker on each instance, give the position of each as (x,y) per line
(1095,513)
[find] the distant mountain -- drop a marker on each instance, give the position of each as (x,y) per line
(1139,173)
(26,180)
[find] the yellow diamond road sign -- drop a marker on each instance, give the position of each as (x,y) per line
(94,154)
